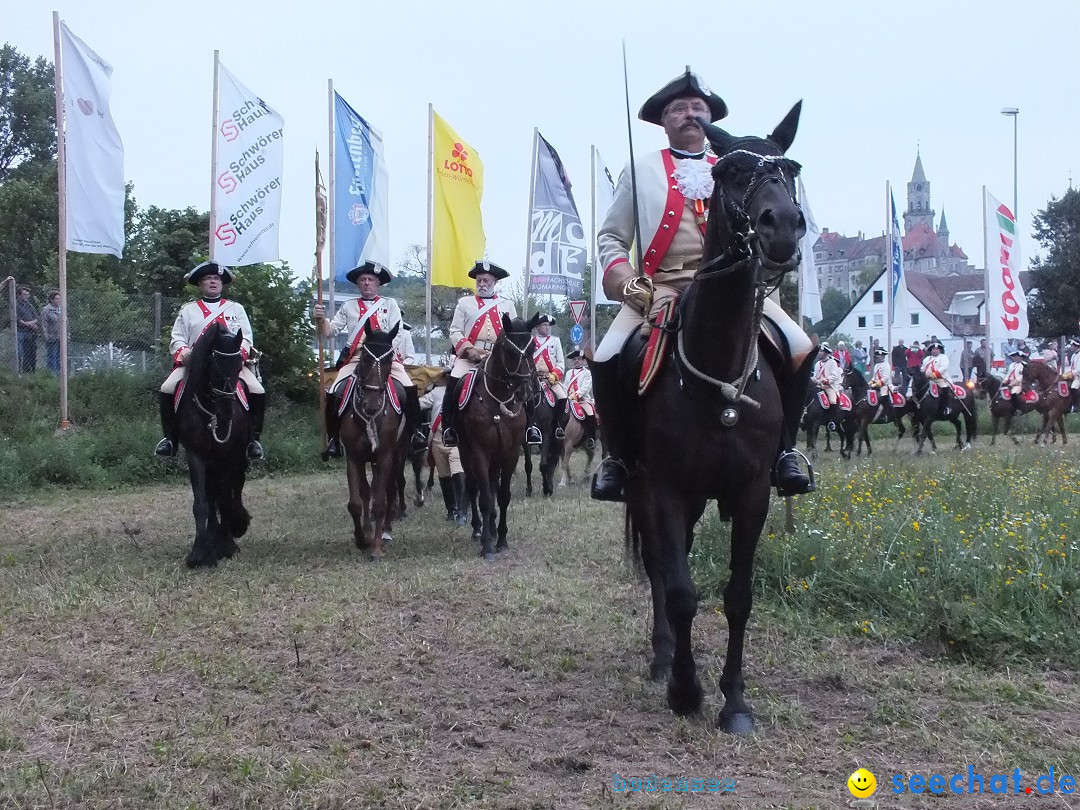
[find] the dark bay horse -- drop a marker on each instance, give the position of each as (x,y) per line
(550,448)
(930,409)
(866,414)
(1052,405)
(213,425)
(832,419)
(492,424)
(372,431)
(711,422)
(1002,411)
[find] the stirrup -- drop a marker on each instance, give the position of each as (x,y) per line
(811,487)
(590,444)
(449,437)
(560,433)
(614,474)
(533,435)
(333,450)
(255,451)
(419,439)
(165,448)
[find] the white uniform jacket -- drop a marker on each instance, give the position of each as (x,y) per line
(433,399)
(196,316)
(579,384)
(403,346)
(828,374)
(1071,370)
(548,355)
(882,375)
(936,370)
(382,313)
(478,322)
(1014,377)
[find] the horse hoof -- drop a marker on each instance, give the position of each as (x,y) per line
(375,558)
(659,672)
(736,722)
(685,700)
(199,560)
(387,537)
(489,556)
(501,546)
(477,536)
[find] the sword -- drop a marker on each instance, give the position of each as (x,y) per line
(633,169)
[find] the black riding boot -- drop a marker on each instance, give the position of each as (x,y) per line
(610,479)
(447,486)
(590,432)
(788,477)
(560,418)
(166,448)
(449,413)
(532,432)
(413,419)
(460,497)
(333,422)
(258,411)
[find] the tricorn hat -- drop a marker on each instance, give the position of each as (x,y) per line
(878,350)
(489,268)
(573,353)
(935,344)
(688,84)
(371,269)
(1074,341)
(824,347)
(209,269)
(1019,353)
(545,318)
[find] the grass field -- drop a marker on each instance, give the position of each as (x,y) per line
(300,675)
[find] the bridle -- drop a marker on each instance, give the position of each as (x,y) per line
(362,413)
(215,395)
(522,378)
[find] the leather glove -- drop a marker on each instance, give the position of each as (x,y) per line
(637,292)
(472,354)
(552,379)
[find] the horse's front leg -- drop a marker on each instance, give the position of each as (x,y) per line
(358,494)
(528,471)
(201,552)
(956,424)
(224,546)
(474,497)
(747,519)
(485,491)
(382,505)
(506,476)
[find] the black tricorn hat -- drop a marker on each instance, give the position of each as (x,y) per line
(489,268)
(688,84)
(880,350)
(573,353)
(371,269)
(209,269)
(545,318)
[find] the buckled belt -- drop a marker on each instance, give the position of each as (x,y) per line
(486,345)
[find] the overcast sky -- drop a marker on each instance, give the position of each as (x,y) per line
(878,80)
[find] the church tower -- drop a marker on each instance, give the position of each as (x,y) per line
(918,195)
(943,230)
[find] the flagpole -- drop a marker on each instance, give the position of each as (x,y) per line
(592,292)
(528,224)
(430,220)
(214,155)
(986,284)
(320,236)
(331,208)
(61,255)
(888,269)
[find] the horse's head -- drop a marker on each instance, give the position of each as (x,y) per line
(1039,373)
(223,364)
(754,192)
(513,350)
(372,370)
(854,379)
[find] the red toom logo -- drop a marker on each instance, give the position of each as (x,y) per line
(226,233)
(1006,222)
(458,158)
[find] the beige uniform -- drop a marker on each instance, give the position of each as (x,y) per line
(403,345)
(829,377)
(194,319)
(1070,370)
(1014,377)
(548,358)
(383,314)
(672,227)
(477,322)
(936,370)
(882,376)
(579,389)
(447,459)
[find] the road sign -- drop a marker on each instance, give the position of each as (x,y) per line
(577,309)
(577,333)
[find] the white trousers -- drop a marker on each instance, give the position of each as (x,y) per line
(178,373)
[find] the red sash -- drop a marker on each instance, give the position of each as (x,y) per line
(491,315)
(542,352)
(365,316)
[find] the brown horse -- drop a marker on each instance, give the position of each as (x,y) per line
(704,437)
(1052,405)
(492,425)
(865,414)
(943,408)
(1001,410)
(575,440)
(371,431)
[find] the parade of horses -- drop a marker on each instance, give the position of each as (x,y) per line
(618,526)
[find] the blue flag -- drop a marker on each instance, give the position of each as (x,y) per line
(361,218)
(896,262)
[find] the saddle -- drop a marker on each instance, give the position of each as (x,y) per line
(347,390)
(546,392)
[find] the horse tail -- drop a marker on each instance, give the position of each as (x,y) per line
(632,536)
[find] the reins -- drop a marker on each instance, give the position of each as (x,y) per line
(216,393)
(369,420)
(523,377)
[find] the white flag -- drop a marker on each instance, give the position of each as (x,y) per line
(95,154)
(604,194)
(810,304)
(247,177)
(1006,304)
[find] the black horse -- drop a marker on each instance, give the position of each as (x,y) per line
(550,448)
(710,423)
(832,419)
(945,407)
(213,425)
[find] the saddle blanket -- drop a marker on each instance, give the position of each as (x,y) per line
(549,395)
(655,349)
(1063,389)
(578,410)
(898,399)
(241,394)
(842,399)
(872,397)
(959,391)
(468,382)
(346,396)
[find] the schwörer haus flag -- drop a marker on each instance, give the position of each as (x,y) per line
(810,303)
(95,153)
(361,183)
(457,230)
(247,176)
(557,252)
(1006,304)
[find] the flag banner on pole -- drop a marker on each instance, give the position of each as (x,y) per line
(95,153)
(810,305)
(557,252)
(1006,304)
(896,261)
(457,239)
(361,189)
(247,179)
(605,195)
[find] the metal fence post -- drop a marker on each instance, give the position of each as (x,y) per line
(156,342)
(12,307)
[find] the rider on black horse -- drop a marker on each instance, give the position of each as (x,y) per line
(673,190)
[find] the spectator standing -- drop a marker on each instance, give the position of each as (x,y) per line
(843,356)
(50,330)
(859,357)
(984,355)
(899,364)
(27,329)
(967,361)
(914,357)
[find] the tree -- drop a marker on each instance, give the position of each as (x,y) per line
(409,287)
(1055,307)
(834,306)
(27,112)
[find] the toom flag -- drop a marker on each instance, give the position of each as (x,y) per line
(457,230)
(1006,304)
(95,153)
(247,176)
(361,183)
(810,304)
(557,253)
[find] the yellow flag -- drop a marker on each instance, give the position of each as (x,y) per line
(457,240)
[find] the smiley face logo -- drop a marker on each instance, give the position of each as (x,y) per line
(862,784)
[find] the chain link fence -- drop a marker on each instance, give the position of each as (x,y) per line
(107,330)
